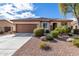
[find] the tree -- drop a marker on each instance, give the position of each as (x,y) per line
(63,9)
(70,8)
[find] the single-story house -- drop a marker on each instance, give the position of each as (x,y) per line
(29,24)
(6,26)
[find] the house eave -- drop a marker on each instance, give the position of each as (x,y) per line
(42,20)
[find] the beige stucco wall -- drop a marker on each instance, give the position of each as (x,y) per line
(74,24)
(58,23)
(69,24)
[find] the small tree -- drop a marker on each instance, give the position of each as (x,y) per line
(70,8)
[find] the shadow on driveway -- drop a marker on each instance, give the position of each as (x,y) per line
(23,34)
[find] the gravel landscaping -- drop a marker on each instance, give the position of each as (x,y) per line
(58,48)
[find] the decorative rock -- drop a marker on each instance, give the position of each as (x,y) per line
(43,38)
(69,39)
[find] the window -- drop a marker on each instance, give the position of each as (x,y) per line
(7,29)
(45,24)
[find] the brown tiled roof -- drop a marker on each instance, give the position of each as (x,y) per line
(41,19)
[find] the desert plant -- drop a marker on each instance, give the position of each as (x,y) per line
(63,29)
(54,33)
(76,37)
(44,46)
(76,42)
(49,37)
(59,29)
(69,29)
(38,32)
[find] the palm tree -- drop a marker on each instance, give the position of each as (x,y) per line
(70,8)
(63,9)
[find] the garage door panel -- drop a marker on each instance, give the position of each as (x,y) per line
(25,27)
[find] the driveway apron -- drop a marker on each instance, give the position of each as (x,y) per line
(9,44)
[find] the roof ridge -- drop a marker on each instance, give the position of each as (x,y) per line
(9,21)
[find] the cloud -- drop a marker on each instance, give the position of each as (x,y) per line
(25,15)
(14,1)
(16,10)
(23,6)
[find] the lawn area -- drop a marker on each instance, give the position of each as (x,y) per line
(58,48)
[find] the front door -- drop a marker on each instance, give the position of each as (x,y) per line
(54,25)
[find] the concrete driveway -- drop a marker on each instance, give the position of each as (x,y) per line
(10,43)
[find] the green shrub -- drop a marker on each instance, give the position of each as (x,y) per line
(76,42)
(43,45)
(49,37)
(59,29)
(54,33)
(38,32)
(63,29)
(76,37)
(69,29)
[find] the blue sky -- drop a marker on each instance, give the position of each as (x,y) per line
(49,10)
(30,10)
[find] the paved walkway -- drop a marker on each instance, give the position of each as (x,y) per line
(10,43)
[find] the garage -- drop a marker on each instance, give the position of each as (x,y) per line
(22,28)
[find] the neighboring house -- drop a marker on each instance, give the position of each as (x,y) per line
(75,25)
(29,24)
(6,26)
